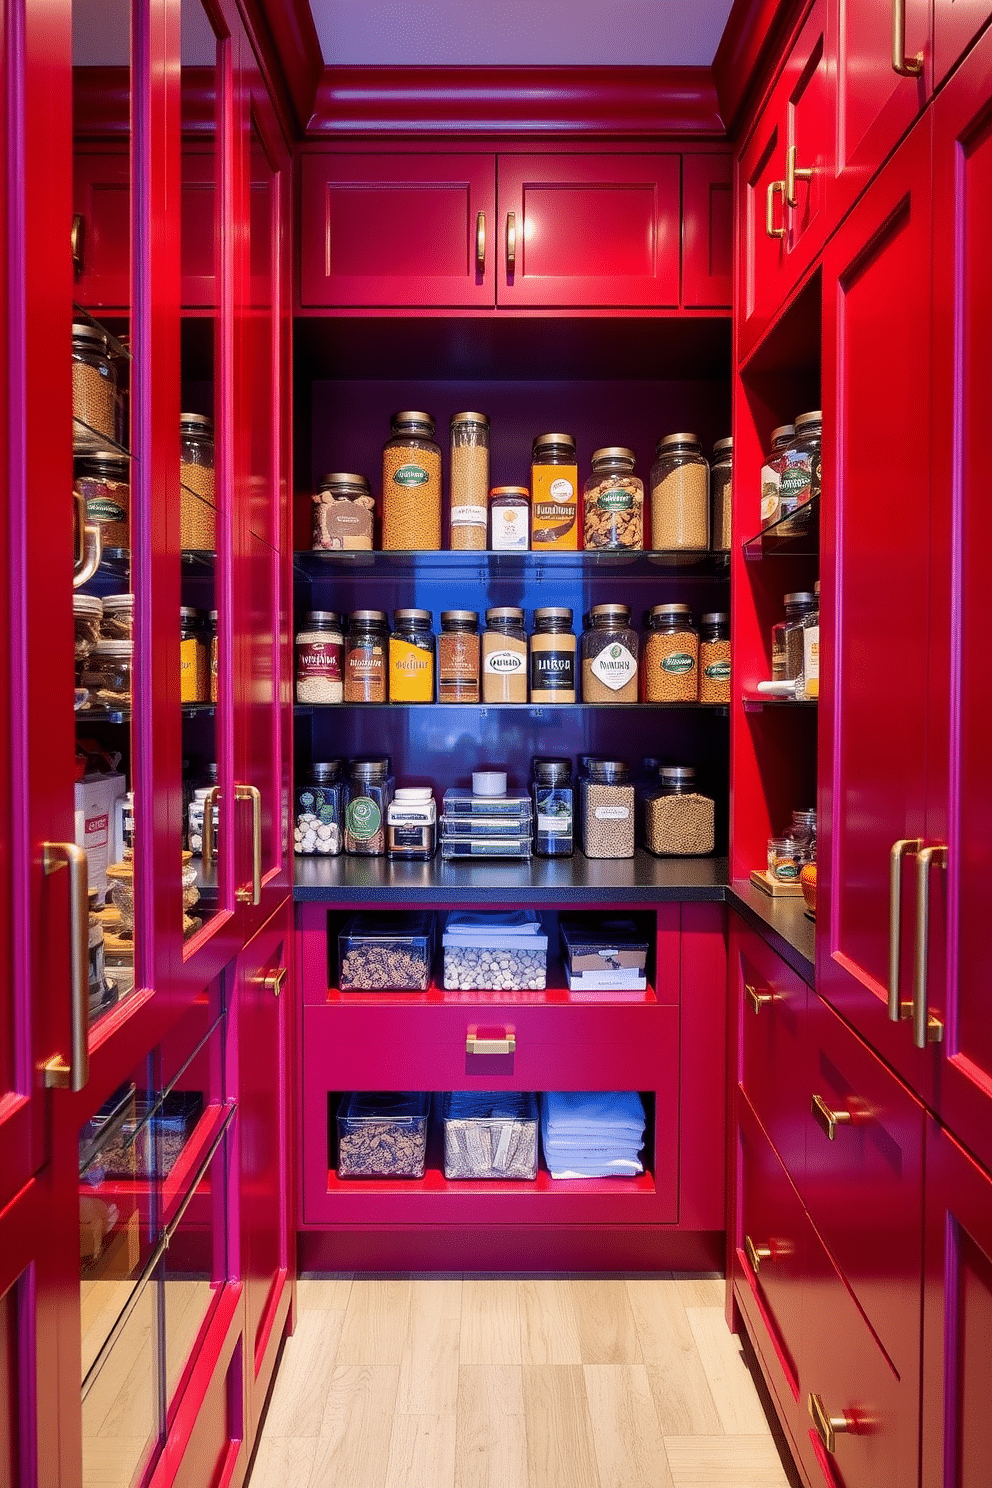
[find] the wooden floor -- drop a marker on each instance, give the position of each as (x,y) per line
(464,1382)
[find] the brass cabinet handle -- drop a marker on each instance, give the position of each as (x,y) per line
(76,242)
(794,173)
(273,982)
(89,544)
(480,242)
(511,242)
(757,1253)
(903,65)
(926,1030)
(896,855)
(827,1120)
(74,1075)
(757,999)
(209,843)
(254,795)
(476,1045)
(828,1427)
(770,228)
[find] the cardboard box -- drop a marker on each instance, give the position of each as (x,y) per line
(95,797)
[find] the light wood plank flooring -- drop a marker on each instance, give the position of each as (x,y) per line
(474,1382)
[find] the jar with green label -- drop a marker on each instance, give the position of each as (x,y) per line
(411,485)
(367,797)
(714,658)
(614,501)
(670,662)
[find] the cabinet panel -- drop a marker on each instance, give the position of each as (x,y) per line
(397,229)
(588,230)
(761,251)
(955,25)
(707,230)
(772,1019)
(102,198)
(199,235)
(807,98)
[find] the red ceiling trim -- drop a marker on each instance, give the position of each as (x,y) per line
(751,43)
(285,41)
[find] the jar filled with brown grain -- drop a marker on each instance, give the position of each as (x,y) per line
(197,517)
(96,402)
(787,636)
(504,656)
(714,658)
(609,656)
(411,485)
(680,495)
(555,492)
(320,657)
(411,658)
(552,656)
(103,479)
(343,513)
(607,799)
(509,519)
(365,648)
(469,481)
(670,656)
(194,685)
(678,821)
(458,657)
(721,490)
(614,501)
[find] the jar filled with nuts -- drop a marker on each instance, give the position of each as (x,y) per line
(609,656)
(680,495)
(606,793)
(670,665)
(678,821)
(320,810)
(614,501)
(367,797)
(342,513)
(469,480)
(320,658)
(411,485)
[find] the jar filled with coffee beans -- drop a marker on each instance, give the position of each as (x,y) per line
(614,501)
(680,495)
(670,661)
(678,821)
(411,485)
(606,793)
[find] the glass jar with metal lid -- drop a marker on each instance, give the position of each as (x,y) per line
(411,485)
(800,480)
(554,808)
(670,657)
(319,820)
(614,501)
(554,492)
(552,656)
(87,615)
(108,674)
(96,405)
(678,821)
(609,656)
(504,656)
(458,657)
(103,479)
(607,795)
(117,622)
(787,636)
(771,474)
(714,658)
(680,495)
(367,796)
(411,657)
(197,517)
(194,685)
(469,480)
(343,511)
(509,519)
(365,647)
(213,655)
(721,484)
(320,657)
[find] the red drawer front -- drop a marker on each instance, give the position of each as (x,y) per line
(772,1002)
(864,1188)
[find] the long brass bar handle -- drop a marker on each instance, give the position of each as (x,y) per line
(757,1253)
(903,65)
(827,1119)
(511,242)
(757,999)
(74,1075)
(828,1427)
(254,795)
(794,173)
(923,1031)
(480,242)
(209,841)
(899,850)
(774,187)
(476,1045)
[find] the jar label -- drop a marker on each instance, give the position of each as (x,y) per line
(770,480)
(468,516)
(411,672)
(102,509)
(612,813)
(786,870)
(718,671)
(616,500)
(411,475)
(554,826)
(794,488)
(417,838)
(678,663)
(364,818)
(614,666)
(510,528)
(561,490)
(319,659)
(504,663)
(552,671)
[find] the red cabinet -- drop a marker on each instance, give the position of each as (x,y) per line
(956,23)
(707,230)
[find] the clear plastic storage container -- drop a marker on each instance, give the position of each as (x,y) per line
(490,1134)
(386,952)
(382,1134)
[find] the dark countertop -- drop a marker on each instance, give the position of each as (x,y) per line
(780,922)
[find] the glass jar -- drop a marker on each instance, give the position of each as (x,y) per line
(458,657)
(213,655)
(554,808)
(103,480)
(606,793)
(680,495)
(771,474)
(552,656)
(609,656)
(678,821)
(194,686)
(411,485)
(721,490)
(319,822)
(343,512)
(785,859)
(787,636)
(117,623)
(96,405)
(801,476)
(554,480)
(803,829)
(320,657)
(469,480)
(191,895)
(411,658)
(614,501)
(367,796)
(197,517)
(411,824)
(808,681)
(107,674)
(102,993)
(365,648)
(509,519)
(670,663)
(714,658)
(87,613)
(194,821)
(504,656)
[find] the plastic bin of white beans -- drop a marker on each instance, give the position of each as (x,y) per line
(495,951)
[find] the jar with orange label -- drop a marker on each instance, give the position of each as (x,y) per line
(411,658)
(554,492)
(194,685)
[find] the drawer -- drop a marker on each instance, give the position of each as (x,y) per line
(772,1053)
(863,1187)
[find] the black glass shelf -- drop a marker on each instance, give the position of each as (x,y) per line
(100,713)
(532,564)
(304,710)
(796,535)
(758,703)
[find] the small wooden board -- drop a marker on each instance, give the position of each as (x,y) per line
(774,886)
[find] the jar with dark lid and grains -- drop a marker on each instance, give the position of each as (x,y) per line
(714,658)
(504,656)
(96,403)
(103,479)
(609,656)
(343,512)
(197,517)
(721,484)
(458,657)
(678,821)
(411,657)
(552,656)
(320,657)
(319,823)
(614,501)
(367,797)
(469,481)
(554,479)
(607,795)
(411,485)
(365,648)
(554,808)
(670,656)
(680,495)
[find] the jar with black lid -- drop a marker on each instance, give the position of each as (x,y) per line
(609,656)
(504,656)
(365,648)
(367,796)
(318,828)
(670,661)
(554,808)
(552,656)
(714,658)
(411,485)
(458,657)
(343,511)
(96,407)
(411,657)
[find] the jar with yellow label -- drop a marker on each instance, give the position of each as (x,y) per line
(194,683)
(554,492)
(411,658)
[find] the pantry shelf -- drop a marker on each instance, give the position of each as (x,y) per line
(796,535)
(305,710)
(759,704)
(531,564)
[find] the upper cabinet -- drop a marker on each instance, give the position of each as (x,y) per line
(529,230)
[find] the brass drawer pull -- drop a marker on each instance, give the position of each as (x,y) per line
(58,1074)
(476,1045)
(757,1253)
(827,1120)
(480,242)
(896,855)
(757,999)
(274,980)
(828,1428)
(926,1029)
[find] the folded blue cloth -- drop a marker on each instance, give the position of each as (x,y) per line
(592,1133)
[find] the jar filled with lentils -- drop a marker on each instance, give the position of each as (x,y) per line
(606,793)
(670,663)
(609,656)
(197,517)
(714,658)
(680,495)
(721,484)
(678,821)
(365,648)
(469,481)
(96,405)
(458,657)
(411,485)
(614,501)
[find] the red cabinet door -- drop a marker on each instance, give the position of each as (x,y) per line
(955,25)
(771,1003)
(397,229)
(101,200)
(875,568)
(707,231)
(807,98)
(588,230)
(761,237)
